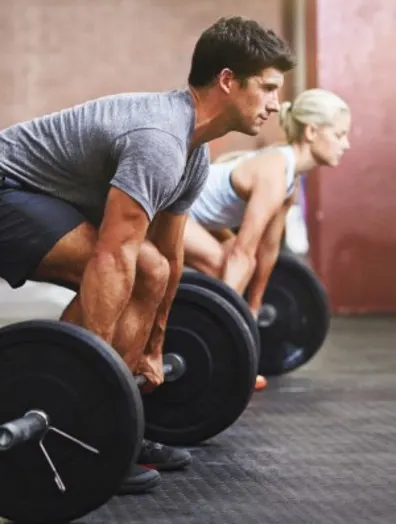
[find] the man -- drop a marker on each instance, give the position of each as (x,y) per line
(97,195)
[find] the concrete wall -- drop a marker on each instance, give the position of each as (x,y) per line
(54,53)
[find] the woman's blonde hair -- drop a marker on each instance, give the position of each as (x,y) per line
(313,106)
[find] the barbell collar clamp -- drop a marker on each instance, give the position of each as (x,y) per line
(33,425)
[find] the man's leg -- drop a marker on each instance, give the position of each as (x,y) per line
(134,326)
(66,262)
(33,227)
(30,225)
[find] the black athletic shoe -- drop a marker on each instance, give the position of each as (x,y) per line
(163,458)
(139,480)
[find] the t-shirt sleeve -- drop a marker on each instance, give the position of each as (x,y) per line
(197,171)
(149,166)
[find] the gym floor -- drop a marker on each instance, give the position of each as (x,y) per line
(316,447)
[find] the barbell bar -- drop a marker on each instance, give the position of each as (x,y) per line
(36,423)
(173,365)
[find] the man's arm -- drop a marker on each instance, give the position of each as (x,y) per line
(267,196)
(267,256)
(149,165)
(167,233)
(109,277)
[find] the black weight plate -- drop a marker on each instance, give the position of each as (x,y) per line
(302,320)
(221,360)
(225,291)
(89,393)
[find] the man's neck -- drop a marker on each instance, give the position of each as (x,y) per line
(210,119)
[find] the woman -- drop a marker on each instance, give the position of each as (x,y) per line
(252,191)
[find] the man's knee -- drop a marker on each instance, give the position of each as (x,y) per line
(152,270)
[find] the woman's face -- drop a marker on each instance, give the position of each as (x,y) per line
(330,142)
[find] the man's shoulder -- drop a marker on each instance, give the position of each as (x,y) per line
(168,113)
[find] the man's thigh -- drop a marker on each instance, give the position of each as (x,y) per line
(31,226)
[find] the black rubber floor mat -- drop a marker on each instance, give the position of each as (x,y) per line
(317,447)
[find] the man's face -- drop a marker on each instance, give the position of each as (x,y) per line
(253,102)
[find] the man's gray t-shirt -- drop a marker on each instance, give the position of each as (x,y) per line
(137,142)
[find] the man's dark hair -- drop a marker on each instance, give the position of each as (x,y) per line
(239,44)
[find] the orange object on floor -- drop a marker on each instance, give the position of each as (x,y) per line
(261,383)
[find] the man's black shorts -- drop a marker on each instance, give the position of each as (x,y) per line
(31,223)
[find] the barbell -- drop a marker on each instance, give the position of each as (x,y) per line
(293,321)
(73,420)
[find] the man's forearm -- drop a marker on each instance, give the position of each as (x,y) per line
(106,289)
(156,340)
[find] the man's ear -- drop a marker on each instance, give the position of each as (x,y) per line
(226,79)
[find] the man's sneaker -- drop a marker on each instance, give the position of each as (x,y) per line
(139,480)
(163,458)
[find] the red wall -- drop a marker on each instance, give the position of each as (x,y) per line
(352,216)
